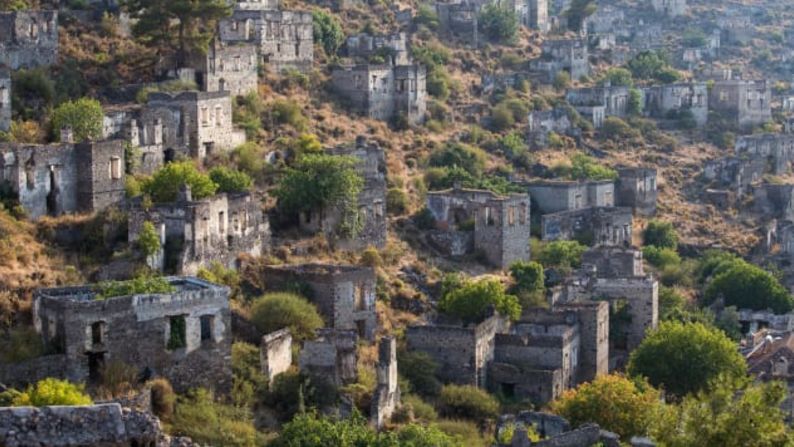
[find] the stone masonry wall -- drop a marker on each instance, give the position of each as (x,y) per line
(28,39)
(275,353)
(5,100)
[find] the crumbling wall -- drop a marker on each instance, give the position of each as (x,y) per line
(614,262)
(28,39)
(5,100)
(637,189)
(386,398)
(331,358)
(275,353)
(746,103)
(598,225)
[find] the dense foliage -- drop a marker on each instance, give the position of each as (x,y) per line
(660,234)
(52,391)
(230,180)
(165,184)
(148,239)
(498,24)
(747,286)
(470,300)
(327,31)
(84,116)
(275,311)
(199,416)
(136,286)
(469,402)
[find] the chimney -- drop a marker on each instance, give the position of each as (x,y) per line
(67,134)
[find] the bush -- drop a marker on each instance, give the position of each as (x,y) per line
(660,234)
(468,158)
(52,392)
(498,24)
(275,311)
(562,80)
(747,286)
(163,399)
(471,300)
(198,416)
(584,167)
(660,257)
(396,201)
(619,77)
(327,31)
(84,116)
(21,343)
(502,118)
(288,112)
(420,370)
(136,286)
(566,254)
(615,128)
(148,239)
(250,158)
(33,92)
(248,381)
(469,402)
(117,378)
(165,184)
(230,180)
(370,257)
(422,410)
(528,276)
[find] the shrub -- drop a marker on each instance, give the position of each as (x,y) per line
(248,381)
(502,118)
(584,167)
(274,311)
(566,254)
(198,416)
(422,410)
(468,158)
(21,343)
(230,180)
(424,219)
(371,258)
(148,239)
(562,80)
(619,77)
(84,116)
(33,92)
(615,128)
(420,370)
(396,201)
(469,402)
(471,300)
(660,257)
(327,31)
(136,286)
(163,398)
(498,24)
(218,273)
(513,145)
(288,112)
(165,184)
(52,392)
(660,234)
(250,158)
(117,378)
(528,276)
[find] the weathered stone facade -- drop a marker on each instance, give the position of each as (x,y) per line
(774,200)
(613,100)
(392,47)
(383,92)
(663,100)
(275,353)
(228,67)
(736,173)
(386,398)
(637,189)
(5,100)
(331,358)
(501,224)
(671,8)
(555,196)
(569,55)
(614,262)
(597,225)
(194,233)
(28,39)
(184,336)
(745,103)
(371,201)
(459,20)
(284,39)
(64,177)
(543,123)
(462,352)
(777,149)
(344,294)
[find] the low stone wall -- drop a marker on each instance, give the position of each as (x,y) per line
(30,371)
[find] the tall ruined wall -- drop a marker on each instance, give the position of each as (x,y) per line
(28,39)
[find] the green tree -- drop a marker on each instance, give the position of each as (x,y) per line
(619,77)
(327,31)
(692,356)
(660,257)
(565,254)
(614,402)
(584,167)
(660,234)
(84,116)
(230,180)
(182,26)
(747,286)
(652,65)
(321,182)
(726,415)
(469,402)
(469,158)
(148,239)
(420,370)
(274,311)
(528,276)
(578,11)
(635,102)
(472,299)
(52,391)
(562,80)
(165,184)
(498,24)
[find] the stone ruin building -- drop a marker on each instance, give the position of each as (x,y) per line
(331,358)
(663,100)
(557,432)
(549,351)
(5,100)
(773,200)
(28,39)
(637,188)
(736,30)
(771,359)
(386,398)
(459,19)
(184,335)
(733,177)
(284,39)
(275,353)
(610,226)
(232,67)
(744,103)
(543,123)
(393,48)
(470,220)
(555,196)
(344,294)
(371,201)
(613,262)
(64,177)
(383,92)
(596,103)
(530,13)
(670,8)
(777,149)
(568,55)
(194,233)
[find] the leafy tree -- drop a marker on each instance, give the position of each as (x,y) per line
(619,77)
(528,276)
(498,24)
(248,382)
(33,93)
(614,402)
(584,167)
(466,401)
(148,239)
(136,286)
(578,11)
(230,180)
(420,370)
(327,31)
(660,234)
(275,311)
(52,391)
(469,158)
(562,80)
(472,299)
(182,26)
(747,286)
(726,415)
(693,355)
(660,257)
(320,182)
(652,65)
(635,102)
(84,116)
(693,38)
(565,254)
(165,184)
